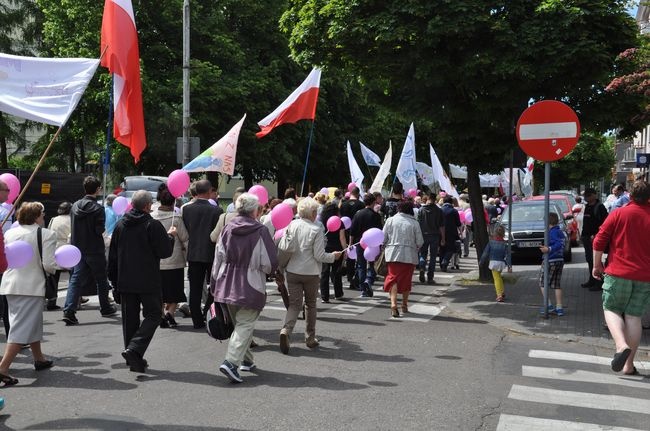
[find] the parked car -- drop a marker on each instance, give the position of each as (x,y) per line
(134,183)
(564,203)
(528,228)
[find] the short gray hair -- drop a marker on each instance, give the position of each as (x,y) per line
(110,198)
(307,207)
(246,203)
(141,199)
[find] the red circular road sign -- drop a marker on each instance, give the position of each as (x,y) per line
(548,130)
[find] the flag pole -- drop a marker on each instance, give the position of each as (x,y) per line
(304,174)
(107,152)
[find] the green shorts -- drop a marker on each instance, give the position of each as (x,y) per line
(624,296)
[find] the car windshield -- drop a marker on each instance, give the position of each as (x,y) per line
(527,213)
(562,204)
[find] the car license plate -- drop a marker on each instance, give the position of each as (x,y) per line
(529,244)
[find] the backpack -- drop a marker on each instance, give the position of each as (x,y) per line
(218,321)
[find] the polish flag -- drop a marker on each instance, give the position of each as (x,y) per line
(300,105)
(122,58)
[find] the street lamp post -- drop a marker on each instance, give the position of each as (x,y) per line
(186,82)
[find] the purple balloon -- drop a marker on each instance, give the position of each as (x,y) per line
(371,253)
(347,222)
(325,191)
(19,253)
(212,202)
(352,252)
(67,256)
(374,237)
(119,205)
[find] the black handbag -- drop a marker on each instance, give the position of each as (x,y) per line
(219,323)
(51,285)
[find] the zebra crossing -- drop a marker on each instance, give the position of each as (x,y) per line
(615,405)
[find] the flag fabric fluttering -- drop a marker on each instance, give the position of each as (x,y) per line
(384,171)
(122,58)
(300,105)
(425,172)
(406,171)
(46,90)
(369,156)
(440,175)
(355,172)
(220,157)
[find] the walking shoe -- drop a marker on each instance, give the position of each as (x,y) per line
(550,309)
(185,310)
(431,282)
(596,288)
(421,276)
(501,298)
(53,307)
(367,289)
(83,300)
(231,372)
(69,318)
(284,342)
(312,343)
(163,323)
(112,311)
(247,366)
(135,361)
(558,311)
(170,320)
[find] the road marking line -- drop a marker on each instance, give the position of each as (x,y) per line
(584,376)
(430,311)
(577,357)
(579,399)
(517,423)
(331,313)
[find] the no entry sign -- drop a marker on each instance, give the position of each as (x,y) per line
(548,130)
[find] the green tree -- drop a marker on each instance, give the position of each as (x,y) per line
(465,70)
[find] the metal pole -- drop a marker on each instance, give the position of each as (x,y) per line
(547,206)
(512,155)
(186,82)
(107,152)
(304,174)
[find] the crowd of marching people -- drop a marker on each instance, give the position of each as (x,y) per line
(306,244)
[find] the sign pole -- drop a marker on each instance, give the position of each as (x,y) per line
(547,207)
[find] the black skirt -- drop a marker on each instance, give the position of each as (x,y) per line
(173,285)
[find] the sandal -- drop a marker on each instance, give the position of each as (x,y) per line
(634,372)
(394,312)
(619,359)
(7,380)
(405,309)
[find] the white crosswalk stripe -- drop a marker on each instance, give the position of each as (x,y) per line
(567,398)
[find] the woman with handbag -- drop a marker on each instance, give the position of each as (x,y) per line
(402,240)
(245,254)
(25,289)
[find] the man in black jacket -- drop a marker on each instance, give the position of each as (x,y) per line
(363,220)
(594,216)
(348,209)
(451,223)
(137,245)
(86,228)
(433,232)
(200,218)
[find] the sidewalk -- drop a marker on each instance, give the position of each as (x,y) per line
(583,321)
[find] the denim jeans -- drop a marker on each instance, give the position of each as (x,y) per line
(429,247)
(365,270)
(90,265)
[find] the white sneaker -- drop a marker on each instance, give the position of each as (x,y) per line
(247,366)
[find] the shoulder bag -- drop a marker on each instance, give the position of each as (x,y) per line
(219,322)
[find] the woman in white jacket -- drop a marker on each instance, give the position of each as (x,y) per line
(25,290)
(303,271)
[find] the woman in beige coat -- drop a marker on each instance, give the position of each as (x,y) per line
(172,269)
(25,290)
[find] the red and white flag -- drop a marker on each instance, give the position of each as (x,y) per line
(122,58)
(300,105)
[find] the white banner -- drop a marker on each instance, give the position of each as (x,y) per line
(46,90)
(459,172)
(406,172)
(384,171)
(369,157)
(355,172)
(425,172)
(220,157)
(440,175)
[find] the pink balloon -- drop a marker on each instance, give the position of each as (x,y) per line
(281,216)
(347,222)
(279,233)
(412,193)
(19,253)
(333,223)
(212,202)
(261,193)
(67,256)
(347,195)
(373,237)
(129,207)
(461,214)
(371,253)
(351,186)
(119,207)
(468,216)
(363,244)
(13,184)
(352,252)
(178,182)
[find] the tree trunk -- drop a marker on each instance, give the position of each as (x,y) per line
(479,225)
(4,159)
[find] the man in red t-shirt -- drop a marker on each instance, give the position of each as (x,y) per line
(626,289)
